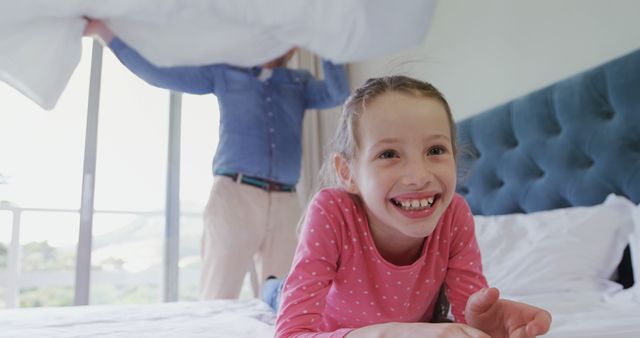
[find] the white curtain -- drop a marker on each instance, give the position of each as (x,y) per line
(318,129)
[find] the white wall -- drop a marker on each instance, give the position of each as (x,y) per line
(483,53)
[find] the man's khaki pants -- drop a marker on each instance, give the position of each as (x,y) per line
(245,225)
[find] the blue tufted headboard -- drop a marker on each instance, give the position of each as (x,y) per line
(568,144)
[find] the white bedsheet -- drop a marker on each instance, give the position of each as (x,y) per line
(221,318)
(589,315)
(40,39)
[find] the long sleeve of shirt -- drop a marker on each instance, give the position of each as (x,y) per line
(339,281)
(330,92)
(464,271)
(188,79)
(315,267)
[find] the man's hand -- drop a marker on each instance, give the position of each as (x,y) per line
(502,318)
(99,29)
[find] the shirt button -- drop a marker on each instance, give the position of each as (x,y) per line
(271,130)
(270,113)
(273,145)
(268,99)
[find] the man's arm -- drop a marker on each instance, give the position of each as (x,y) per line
(330,92)
(188,79)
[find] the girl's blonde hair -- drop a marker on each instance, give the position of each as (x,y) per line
(345,141)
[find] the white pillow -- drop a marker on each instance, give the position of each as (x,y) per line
(560,250)
(635,249)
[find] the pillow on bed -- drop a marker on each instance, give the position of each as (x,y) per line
(561,250)
(635,249)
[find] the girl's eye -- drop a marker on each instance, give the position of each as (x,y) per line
(388,154)
(436,151)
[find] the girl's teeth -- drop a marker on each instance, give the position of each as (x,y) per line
(417,204)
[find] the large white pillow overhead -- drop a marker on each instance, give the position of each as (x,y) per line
(561,250)
(40,40)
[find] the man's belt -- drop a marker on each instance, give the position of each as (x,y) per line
(257,182)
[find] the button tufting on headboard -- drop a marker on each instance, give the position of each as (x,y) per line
(569,144)
(607,114)
(584,131)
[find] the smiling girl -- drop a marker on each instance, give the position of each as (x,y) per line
(377,246)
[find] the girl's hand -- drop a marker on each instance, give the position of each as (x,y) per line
(502,318)
(412,330)
(98,28)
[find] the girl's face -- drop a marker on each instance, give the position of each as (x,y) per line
(405,168)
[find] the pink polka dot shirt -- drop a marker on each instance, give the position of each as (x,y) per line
(339,281)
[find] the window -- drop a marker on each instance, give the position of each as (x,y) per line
(200,120)
(131,168)
(48,257)
(5,239)
(41,169)
(41,176)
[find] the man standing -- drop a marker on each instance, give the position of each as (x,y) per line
(253,209)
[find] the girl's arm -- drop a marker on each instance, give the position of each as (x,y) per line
(464,272)
(313,271)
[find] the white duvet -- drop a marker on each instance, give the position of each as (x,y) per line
(40,39)
(591,314)
(575,314)
(213,319)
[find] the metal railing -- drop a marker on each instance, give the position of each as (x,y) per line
(13,278)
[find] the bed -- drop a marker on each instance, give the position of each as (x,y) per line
(553,178)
